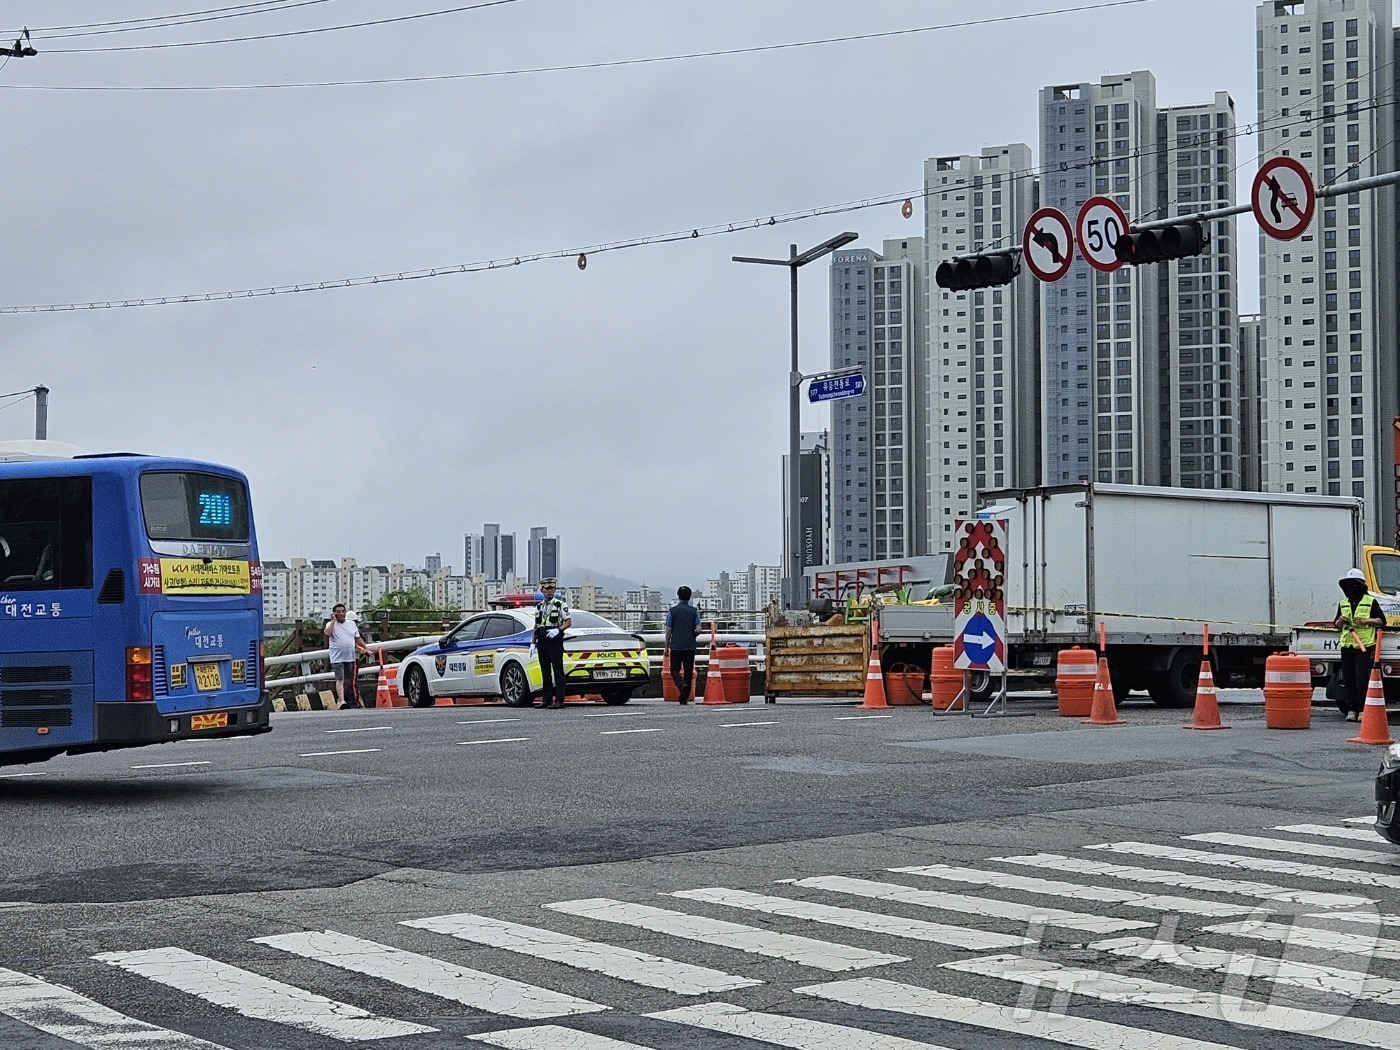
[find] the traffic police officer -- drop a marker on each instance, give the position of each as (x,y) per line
(551,621)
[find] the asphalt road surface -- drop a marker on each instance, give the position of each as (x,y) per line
(807,875)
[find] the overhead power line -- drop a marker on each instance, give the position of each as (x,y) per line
(140,25)
(161,18)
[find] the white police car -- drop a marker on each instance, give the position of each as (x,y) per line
(490,654)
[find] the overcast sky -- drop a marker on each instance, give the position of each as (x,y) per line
(637,408)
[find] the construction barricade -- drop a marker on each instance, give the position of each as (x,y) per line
(1288,692)
(735,678)
(1076,671)
(945,680)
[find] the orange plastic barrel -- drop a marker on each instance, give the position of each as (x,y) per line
(668,684)
(946,681)
(1288,692)
(904,686)
(732,662)
(1075,671)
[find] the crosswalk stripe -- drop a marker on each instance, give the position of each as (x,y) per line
(1326,831)
(1331,980)
(1311,937)
(652,971)
(552,1037)
(482,991)
(1077,890)
(1306,849)
(1186,880)
(258,997)
(871,922)
(1371,918)
(874,993)
(824,955)
(779,1030)
(1180,999)
(64,1013)
(985,906)
(1234,860)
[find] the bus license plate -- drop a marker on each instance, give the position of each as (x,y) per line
(218,720)
(206,678)
(610,673)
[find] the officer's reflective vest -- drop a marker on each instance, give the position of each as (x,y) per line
(1365,610)
(550,613)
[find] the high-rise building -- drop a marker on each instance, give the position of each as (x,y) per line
(474,563)
(977,389)
(544,554)
(1327,298)
(507,555)
(432,563)
(491,551)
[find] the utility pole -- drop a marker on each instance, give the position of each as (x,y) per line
(41,413)
(21,47)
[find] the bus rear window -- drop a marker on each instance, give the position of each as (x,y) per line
(188,506)
(45,534)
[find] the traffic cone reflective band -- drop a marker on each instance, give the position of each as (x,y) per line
(874,676)
(1104,712)
(1207,712)
(1375,729)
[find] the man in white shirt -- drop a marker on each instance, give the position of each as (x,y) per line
(344,638)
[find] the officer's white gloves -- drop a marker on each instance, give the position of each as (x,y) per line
(553,632)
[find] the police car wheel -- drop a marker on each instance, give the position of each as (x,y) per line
(616,696)
(515,687)
(415,687)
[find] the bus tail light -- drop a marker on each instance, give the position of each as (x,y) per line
(138,674)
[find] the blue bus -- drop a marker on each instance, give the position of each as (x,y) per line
(130,604)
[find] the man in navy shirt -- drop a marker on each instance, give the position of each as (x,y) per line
(682,628)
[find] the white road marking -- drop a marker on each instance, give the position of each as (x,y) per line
(858,718)
(1331,980)
(798,1033)
(1185,880)
(824,955)
(363,729)
(497,740)
(67,1015)
(985,906)
(871,922)
(170,765)
(486,721)
(740,725)
(614,714)
(1234,860)
(1078,890)
(16,776)
(258,997)
(652,971)
(624,732)
(552,1037)
(481,991)
(1359,944)
(1009,1022)
(1306,849)
(1360,820)
(1327,831)
(1371,918)
(1138,991)
(322,754)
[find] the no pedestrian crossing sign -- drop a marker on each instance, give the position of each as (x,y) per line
(1283,198)
(979,603)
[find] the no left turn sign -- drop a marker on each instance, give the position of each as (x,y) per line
(1101,222)
(1283,198)
(1047,245)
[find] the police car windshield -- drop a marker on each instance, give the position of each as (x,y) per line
(588,619)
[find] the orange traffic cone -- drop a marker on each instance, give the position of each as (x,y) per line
(874,676)
(714,684)
(1207,711)
(1104,712)
(669,690)
(1375,729)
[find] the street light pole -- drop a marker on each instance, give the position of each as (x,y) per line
(792,557)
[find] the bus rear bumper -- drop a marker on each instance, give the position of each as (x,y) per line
(134,724)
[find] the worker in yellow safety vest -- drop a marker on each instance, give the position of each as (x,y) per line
(1357,619)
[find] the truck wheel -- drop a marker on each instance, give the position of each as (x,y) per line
(515,687)
(415,687)
(1176,686)
(981,687)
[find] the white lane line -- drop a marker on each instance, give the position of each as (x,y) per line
(871,922)
(615,714)
(799,1033)
(740,725)
(1185,880)
(497,740)
(363,729)
(486,721)
(1327,831)
(652,971)
(824,955)
(1360,820)
(481,991)
(1358,944)
(1328,980)
(258,997)
(1009,1022)
(983,906)
(1179,999)
(858,718)
(552,1037)
(16,776)
(624,732)
(357,751)
(1304,849)
(170,765)
(1234,860)
(65,1014)
(1077,890)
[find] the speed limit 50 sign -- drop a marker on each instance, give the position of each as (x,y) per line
(1101,222)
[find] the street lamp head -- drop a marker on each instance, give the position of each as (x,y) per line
(839,241)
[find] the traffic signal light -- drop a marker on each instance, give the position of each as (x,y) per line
(978,271)
(1169,242)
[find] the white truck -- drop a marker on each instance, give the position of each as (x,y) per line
(1153,566)
(1320,642)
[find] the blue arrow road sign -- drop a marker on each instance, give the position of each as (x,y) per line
(840,386)
(979,640)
